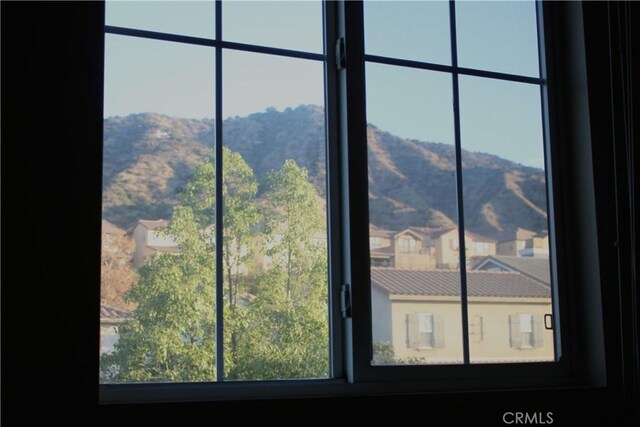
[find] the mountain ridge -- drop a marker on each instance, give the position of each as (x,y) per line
(148,157)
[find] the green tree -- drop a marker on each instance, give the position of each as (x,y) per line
(285,330)
(171,336)
(282,333)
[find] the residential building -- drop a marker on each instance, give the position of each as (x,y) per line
(110,320)
(149,240)
(536,268)
(424,248)
(418,313)
(413,249)
(522,242)
(380,246)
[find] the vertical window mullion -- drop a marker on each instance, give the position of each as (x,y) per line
(548,167)
(219,182)
(460,205)
(332,147)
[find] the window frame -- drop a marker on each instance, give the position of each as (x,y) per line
(527,373)
(349,254)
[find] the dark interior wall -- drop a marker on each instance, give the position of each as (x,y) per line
(51,154)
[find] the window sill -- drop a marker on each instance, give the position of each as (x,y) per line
(289,389)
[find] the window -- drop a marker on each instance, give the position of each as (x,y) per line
(215,173)
(456,150)
(264,178)
(526,330)
(407,245)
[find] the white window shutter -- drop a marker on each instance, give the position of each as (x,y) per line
(438,331)
(538,330)
(413,334)
(514,331)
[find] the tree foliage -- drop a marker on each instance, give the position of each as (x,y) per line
(275,313)
(117,273)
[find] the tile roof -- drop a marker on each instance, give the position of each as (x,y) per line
(153,224)
(447,282)
(111,314)
(536,268)
(440,232)
(478,238)
(517,234)
(380,232)
(109,228)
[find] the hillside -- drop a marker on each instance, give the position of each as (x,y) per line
(148,158)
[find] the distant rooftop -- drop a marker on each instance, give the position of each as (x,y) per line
(534,267)
(517,234)
(109,228)
(153,224)
(447,283)
(110,314)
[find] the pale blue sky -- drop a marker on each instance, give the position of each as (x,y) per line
(177,79)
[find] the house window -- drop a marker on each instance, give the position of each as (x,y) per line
(481,247)
(424,331)
(407,245)
(526,330)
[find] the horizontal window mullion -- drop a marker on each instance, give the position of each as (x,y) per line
(409,63)
(453,69)
(272,51)
(154,35)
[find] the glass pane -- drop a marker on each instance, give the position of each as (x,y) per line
(507,241)
(415,30)
(413,217)
(188,18)
(295,25)
(498,36)
(157,306)
(275,237)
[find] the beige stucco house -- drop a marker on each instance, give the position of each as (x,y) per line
(419,314)
(424,248)
(522,242)
(149,240)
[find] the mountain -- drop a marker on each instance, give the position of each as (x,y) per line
(148,158)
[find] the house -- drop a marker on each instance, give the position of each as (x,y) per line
(149,240)
(413,249)
(380,247)
(532,267)
(110,234)
(424,248)
(418,313)
(522,242)
(110,320)
(479,246)
(537,246)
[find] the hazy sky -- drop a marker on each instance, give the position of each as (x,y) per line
(177,79)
